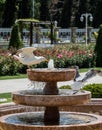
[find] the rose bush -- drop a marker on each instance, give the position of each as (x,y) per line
(64,56)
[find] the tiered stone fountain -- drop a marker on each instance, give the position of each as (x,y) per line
(51,98)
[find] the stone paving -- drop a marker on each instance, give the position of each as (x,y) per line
(21,84)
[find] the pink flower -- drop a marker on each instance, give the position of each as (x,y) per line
(59,56)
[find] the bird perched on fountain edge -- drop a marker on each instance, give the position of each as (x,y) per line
(26,56)
(79,80)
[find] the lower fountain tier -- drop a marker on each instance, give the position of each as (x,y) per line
(65,98)
(35,121)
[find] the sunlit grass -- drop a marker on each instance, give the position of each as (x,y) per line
(86,69)
(19,76)
(5,97)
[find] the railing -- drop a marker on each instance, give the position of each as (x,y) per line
(63,35)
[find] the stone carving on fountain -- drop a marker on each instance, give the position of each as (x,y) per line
(51,98)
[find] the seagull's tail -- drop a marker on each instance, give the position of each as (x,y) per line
(91,73)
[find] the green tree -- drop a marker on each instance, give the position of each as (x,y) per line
(98,48)
(66,14)
(15,40)
(44,10)
(83,8)
(2,5)
(97,14)
(74,11)
(25,9)
(37,9)
(9,14)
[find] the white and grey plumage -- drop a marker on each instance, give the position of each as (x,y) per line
(26,56)
(80,80)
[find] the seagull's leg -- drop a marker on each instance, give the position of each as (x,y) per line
(29,67)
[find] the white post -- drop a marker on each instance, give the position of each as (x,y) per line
(86,15)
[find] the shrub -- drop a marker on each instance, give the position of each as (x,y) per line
(68,55)
(98,48)
(15,40)
(95,89)
(64,56)
(10,67)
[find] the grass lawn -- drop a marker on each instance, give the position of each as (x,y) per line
(5,97)
(19,76)
(86,69)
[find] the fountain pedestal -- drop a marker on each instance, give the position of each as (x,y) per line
(50,88)
(51,114)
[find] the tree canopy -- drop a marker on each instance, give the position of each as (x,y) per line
(66,12)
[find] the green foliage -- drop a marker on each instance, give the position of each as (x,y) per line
(2,5)
(9,14)
(65,87)
(97,13)
(36,9)
(15,40)
(95,89)
(95,34)
(68,55)
(98,48)
(17,76)
(15,9)
(44,11)
(6,96)
(10,67)
(64,56)
(25,9)
(66,14)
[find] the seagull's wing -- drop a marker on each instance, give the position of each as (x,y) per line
(77,86)
(26,52)
(91,73)
(79,79)
(38,57)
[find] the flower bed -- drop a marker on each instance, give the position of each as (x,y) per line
(64,56)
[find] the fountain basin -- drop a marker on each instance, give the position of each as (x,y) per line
(34,121)
(51,75)
(64,98)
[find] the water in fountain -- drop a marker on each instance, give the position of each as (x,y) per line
(32,118)
(51,64)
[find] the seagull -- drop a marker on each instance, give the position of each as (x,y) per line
(80,80)
(26,56)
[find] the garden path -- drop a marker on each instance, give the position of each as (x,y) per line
(21,84)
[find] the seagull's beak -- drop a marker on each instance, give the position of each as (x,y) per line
(46,60)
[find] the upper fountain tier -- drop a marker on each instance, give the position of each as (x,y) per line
(51,75)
